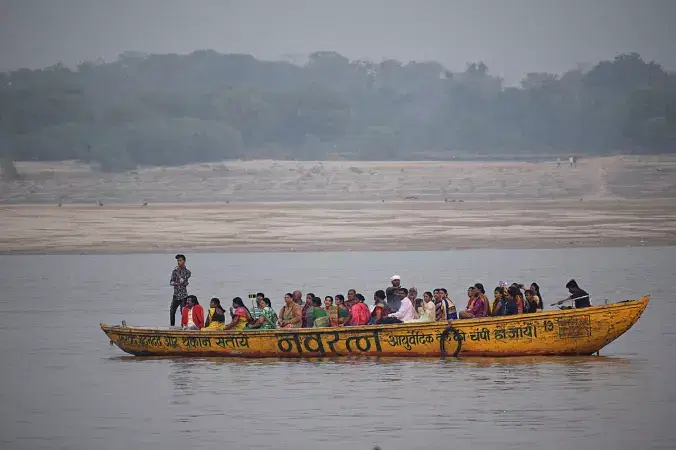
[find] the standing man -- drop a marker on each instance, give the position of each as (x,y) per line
(577,295)
(179,280)
(392,294)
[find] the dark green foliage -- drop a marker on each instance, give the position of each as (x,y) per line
(173,109)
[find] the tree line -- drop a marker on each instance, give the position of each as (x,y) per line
(175,109)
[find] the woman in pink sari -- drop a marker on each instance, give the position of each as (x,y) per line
(476,306)
(240,315)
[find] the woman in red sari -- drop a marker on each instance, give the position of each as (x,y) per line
(381,310)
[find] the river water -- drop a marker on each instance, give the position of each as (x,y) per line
(63,386)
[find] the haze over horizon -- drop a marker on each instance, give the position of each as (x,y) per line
(512,38)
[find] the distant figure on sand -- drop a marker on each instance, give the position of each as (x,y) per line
(558,162)
(179,280)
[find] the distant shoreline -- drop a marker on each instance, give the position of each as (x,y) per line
(335,226)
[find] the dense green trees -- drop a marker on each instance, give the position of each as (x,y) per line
(173,109)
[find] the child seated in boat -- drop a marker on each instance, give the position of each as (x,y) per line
(216,317)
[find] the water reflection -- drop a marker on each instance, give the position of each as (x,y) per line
(64,387)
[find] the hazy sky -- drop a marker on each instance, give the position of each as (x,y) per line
(511,36)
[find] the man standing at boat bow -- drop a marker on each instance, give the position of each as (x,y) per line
(179,280)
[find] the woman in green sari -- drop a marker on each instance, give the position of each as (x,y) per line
(268,317)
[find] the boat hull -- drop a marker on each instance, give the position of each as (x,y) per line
(562,332)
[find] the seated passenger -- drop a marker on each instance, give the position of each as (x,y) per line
(216,318)
(380,310)
(476,306)
(240,315)
(336,315)
(444,307)
(534,303)
(514,301)
(192,315)
(290,315)
(256,311)
(426,310)
(320,318)
(405,311)
(307,311)
(482,294)
(359,314)
(535,288)
(267,319)
(498,302)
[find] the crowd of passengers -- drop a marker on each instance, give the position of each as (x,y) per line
(396,304)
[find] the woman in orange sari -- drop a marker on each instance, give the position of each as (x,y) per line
(240,315)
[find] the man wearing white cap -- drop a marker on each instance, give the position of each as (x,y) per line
(392,294)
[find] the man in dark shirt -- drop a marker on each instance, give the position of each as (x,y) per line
(580,297)
(179,280)
(392,294)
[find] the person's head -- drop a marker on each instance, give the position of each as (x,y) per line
(529,295)
(379,296)
(309,298)
(535,288)
(571,285)
(497,293)
(437,295)
(180,259)
(237,302)
(480,288)
(412,293)
(360,298)
(316,302)
(297,297)
(471,292)
(396,281)
(443,293)
(513,292)
(328,301)
(215,303)
(260,296)
(191,301)
(260,302)
(403,292)
(340,299)
(288,298)
(428,296)
(351,295)
(267,302)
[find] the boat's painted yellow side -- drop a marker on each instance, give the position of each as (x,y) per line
(561,332)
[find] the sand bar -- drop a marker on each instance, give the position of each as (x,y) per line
(345,205)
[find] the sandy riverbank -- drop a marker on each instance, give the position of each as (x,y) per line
(312,206)
(337,226)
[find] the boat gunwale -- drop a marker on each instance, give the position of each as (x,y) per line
(639,305)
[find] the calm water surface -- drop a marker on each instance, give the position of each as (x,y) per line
(63,386)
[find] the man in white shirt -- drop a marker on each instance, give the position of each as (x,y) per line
(406,310)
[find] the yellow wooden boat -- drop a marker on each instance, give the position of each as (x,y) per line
(562,332)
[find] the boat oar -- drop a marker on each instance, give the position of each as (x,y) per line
(568,300)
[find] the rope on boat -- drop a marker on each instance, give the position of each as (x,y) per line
(442,341)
